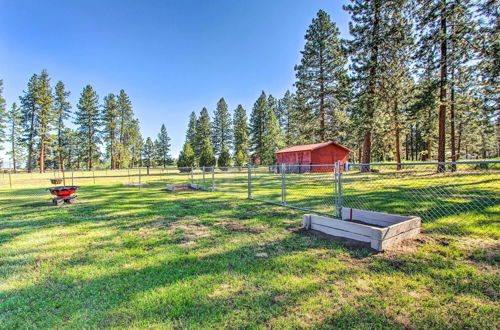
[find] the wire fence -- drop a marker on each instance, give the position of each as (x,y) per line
(463,200)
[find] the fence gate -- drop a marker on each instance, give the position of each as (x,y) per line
(313,188)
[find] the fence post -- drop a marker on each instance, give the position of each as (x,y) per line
(93,175)
(192,177)
(10,180)
(204,183)
(72,176)
(213,178)
(339,190)
(283,185)
(139,178)
(249,181)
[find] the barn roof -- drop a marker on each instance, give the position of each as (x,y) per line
(309,147)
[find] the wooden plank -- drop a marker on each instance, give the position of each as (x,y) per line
(306,221)
(380,245)
(340,233)
(352,227)
(396,229)
(361,215)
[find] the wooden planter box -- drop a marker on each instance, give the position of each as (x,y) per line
(182,186)
(380,230)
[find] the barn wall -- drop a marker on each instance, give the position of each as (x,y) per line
(329,154)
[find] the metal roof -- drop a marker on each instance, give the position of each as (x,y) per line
(309,147)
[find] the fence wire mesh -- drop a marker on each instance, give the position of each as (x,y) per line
(463,200)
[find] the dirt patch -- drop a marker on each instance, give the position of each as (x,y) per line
(238,227)
(189,231)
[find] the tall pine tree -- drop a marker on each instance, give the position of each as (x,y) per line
(46,116)
(29,112)
(322,77)
(240,136)
(367,31)
(191,131)
(62,112)
(125,129)
(203,132)
(88,121)
(14,120)
(221,128)
(163,147)
(111,122)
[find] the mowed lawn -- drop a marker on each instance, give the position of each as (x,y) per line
(128,258)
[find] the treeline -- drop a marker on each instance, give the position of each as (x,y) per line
(417,80)
(109,132)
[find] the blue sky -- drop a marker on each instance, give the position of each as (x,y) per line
(171,57)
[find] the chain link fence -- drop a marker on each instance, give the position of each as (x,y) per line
(463,200)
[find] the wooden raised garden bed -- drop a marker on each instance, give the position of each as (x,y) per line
(380,230)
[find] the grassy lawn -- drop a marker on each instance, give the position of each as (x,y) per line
(128,258)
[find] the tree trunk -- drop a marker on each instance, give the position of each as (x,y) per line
(407,148)
(90,158)
(42,151)
(442,91)
(396,132)
(367,143)
(459,140)
(411,143)
(321,99)
(30,141)
(452,107)
(14,160)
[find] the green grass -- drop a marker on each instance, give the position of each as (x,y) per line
(128,258)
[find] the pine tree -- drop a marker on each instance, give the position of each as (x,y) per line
(368,35)
(14,120)
(322,77)
(191,131)
(135,143)
(125,118)
(29,111)
(62,113)
(488,65)
(207,158)
(186,158)
(148,153)
(272,139)
(224,158)
(110,118)
(258,119)
(3,115)
(289,122)
(88,123)
(203,131)
(46,115)
(240,136)
(163,147)
(221,127)
(395,78)
(240,159)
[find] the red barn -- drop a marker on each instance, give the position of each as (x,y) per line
(313,154)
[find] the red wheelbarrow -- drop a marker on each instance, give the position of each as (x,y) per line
(64,194)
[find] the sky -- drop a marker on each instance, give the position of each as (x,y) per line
(171,57)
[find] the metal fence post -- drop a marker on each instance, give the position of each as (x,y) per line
(192,177)
(10,180)
(283,185)
(72,176)
(339,190)
(139,178)
(93,175)
(249,181)
(213,178)
(204,183)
